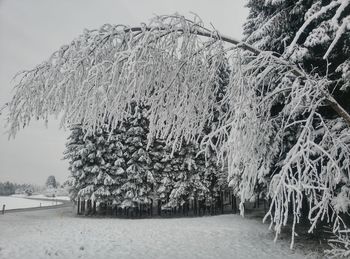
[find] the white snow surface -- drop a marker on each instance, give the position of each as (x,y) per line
(58,233)
(22,203)
(41,196)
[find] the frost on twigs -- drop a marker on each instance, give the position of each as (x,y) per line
(330,30)
(272,132)
(278,138)
(95,78)
(340,246)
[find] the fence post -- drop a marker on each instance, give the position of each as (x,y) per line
(3,209)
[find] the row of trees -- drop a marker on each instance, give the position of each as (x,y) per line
(9,188)
(118,169)
(124,168)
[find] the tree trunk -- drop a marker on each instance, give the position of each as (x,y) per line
(222,202)
(89,207)
(82,208)
(94,208)
(78,207)
(159,208)
(195,206)
(235,204)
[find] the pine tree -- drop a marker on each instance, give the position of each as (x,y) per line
(139,183)
(96,165)
(214,176)
(276,26)
(7,188)
(322,47)
(186,175)
(75,151)
(166,169)
(51,182)
(314,34)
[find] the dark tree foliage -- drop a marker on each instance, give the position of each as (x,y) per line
(9,188)
(51,182)
(121,168)
(272,26)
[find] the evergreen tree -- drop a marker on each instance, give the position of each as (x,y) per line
(118,168)
(315,35)
(112,167)
(279,26)
(139,182)
(322,46)
(186,175)
(96,165)
(7,188)
(214,176)
(51,182)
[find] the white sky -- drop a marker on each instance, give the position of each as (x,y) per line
(30,30)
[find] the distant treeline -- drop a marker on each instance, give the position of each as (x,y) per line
(8,188)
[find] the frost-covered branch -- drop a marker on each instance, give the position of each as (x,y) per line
(341,30)
(3,108)
(318,12)
(340,245)
(310,19)
(295,152)
(104,70)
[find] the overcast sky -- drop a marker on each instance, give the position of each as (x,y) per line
(30,30)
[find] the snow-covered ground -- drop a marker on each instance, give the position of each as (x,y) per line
(20,203)
(42,197)
(58,233)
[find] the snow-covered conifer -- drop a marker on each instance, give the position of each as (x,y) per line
(51,182)
(96,165)
(312,34)
(139,182)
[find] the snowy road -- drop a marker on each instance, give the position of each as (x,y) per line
(58,233)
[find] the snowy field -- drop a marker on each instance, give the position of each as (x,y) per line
(42,197)
(58,233)
(21,203)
